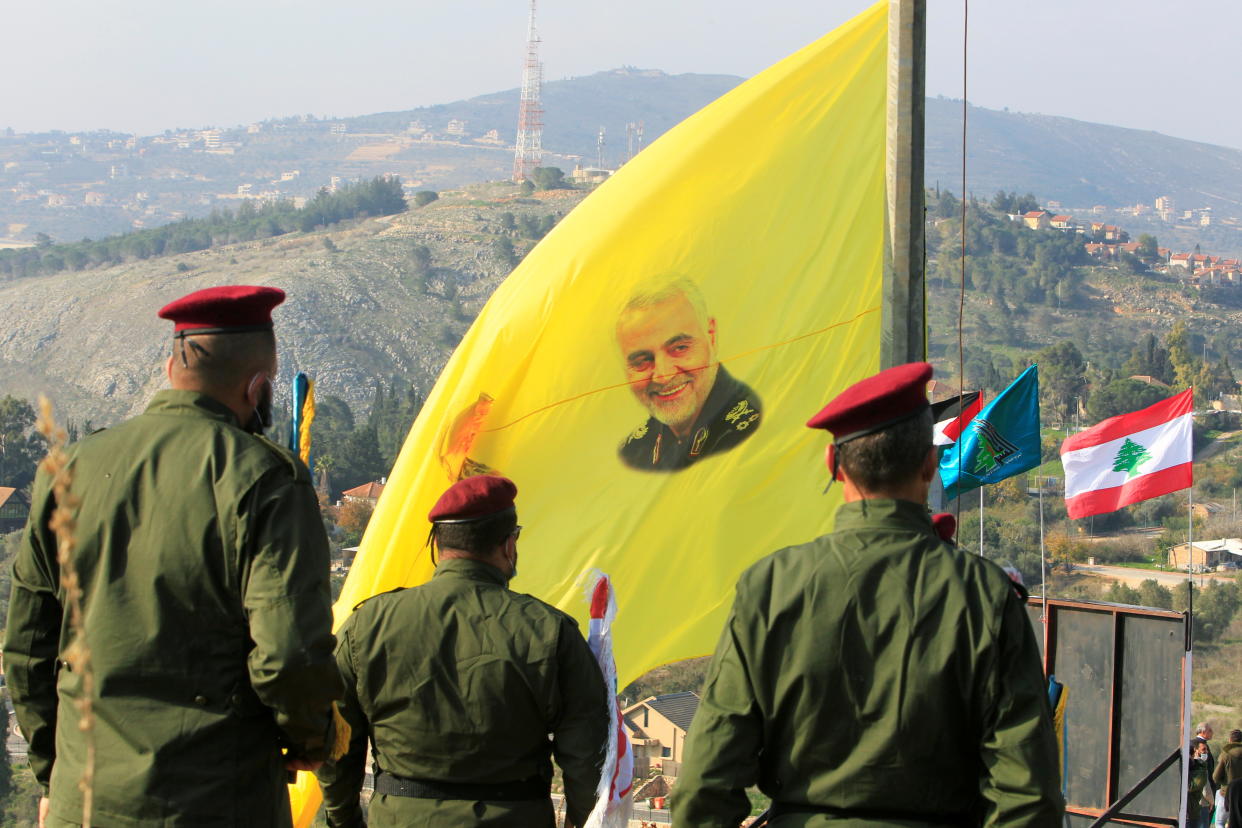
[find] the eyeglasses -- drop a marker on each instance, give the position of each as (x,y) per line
(517,530)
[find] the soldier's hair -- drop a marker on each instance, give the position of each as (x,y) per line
(1235,735)
(662,288)
(888,458)
(224,360)
(1201,726)
(480,537)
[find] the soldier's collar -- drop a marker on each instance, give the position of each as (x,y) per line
(470,569)
(191,403)
(871,511)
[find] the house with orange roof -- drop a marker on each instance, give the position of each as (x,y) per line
(369,492)
(1037,219)
(1182,260)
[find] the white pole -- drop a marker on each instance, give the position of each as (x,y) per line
(1043,557)
(981,521)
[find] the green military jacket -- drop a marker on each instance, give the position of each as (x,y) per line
(204,569)
(461,680)
(879,676)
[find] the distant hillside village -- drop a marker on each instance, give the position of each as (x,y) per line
(1109,243)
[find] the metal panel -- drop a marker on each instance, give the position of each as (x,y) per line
(1123,669)
(1149,721)
(1083,662)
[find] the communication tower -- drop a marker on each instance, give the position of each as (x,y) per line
(529,151)
(633,139)
(599,149)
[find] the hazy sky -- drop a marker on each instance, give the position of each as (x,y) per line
(147,65)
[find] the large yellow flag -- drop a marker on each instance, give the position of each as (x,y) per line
(645,374)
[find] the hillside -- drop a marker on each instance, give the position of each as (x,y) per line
(95,184)
(1076,162)
(90,339)
(575,109)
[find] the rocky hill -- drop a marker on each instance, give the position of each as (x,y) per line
(362,304)
(1076,162)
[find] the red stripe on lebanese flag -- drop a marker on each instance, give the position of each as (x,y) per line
(1144,487)
(1114,428)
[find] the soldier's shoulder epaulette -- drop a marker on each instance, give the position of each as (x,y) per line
(377,595)
(743,414)
(636,435)
(301,474)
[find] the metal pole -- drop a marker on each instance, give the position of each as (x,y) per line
(981,521)
(903,329)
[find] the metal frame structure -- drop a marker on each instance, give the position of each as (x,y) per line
(1122,786)
(528,151)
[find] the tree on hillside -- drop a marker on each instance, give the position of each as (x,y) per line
(1152,594)
(1186,363)
(1062,376)
(549,178)
(948,206)
(1214,380)
(424,197)
(353,517)
(1122,396)
(21,446)
(1151,360)
(1148,248)
(503,250)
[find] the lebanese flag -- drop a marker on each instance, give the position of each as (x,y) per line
(612,803)
(1130,458)
(953,415)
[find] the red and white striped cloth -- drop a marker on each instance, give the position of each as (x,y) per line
(1130,458)
(612,804)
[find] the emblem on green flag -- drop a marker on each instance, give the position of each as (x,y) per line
(1129,457)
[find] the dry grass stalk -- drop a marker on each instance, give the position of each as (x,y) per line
(77,654)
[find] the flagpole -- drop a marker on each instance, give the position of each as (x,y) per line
(981,521)
(903,336)
(1043,567)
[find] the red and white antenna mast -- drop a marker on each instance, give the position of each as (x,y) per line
(529,152)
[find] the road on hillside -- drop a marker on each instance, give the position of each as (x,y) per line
(1134,577)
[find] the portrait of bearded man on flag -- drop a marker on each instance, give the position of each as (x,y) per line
(696,408)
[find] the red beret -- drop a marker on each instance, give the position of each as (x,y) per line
(474,498)
(227,309)
(876,403)
(945,525)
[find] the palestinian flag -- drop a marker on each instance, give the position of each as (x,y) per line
(1129,458)
(951,416)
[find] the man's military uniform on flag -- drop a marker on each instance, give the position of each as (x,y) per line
(204,569)
(459,683)
(876,675)
(730,414)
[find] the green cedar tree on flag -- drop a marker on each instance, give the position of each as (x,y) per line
(1001,441)
(1130,457)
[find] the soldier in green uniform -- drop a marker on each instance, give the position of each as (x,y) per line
(467,689)
(204,571)
(697,408)
(876,676)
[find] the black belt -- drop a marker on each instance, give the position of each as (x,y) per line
(780,809)
(524,791)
